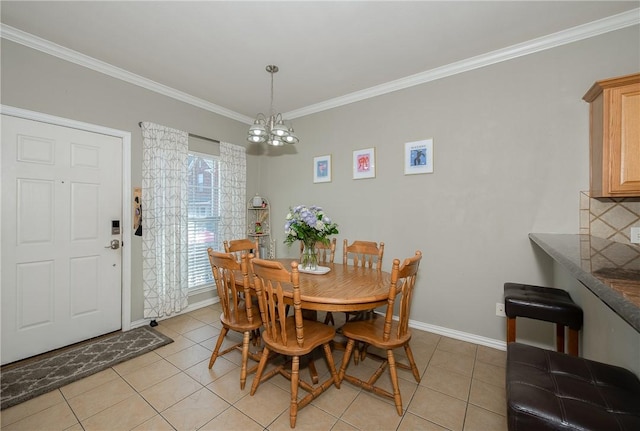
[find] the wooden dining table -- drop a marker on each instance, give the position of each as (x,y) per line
(343,288)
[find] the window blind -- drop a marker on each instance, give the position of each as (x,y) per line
(203,216)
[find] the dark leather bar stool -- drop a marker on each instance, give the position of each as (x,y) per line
(547,390)
(543,303)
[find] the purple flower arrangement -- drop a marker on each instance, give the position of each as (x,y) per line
(309,225)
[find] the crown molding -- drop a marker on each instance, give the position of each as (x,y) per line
(43,45)
(574,34)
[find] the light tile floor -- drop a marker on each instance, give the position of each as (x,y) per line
(171,388)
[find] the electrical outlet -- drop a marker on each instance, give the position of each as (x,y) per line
(500,309)
(635,235)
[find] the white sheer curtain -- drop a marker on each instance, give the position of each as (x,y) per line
(233,189)
(164,220)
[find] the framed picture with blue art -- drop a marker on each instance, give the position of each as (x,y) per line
(322,169)
(418,157)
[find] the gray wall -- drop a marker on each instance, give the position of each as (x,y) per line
(511,155)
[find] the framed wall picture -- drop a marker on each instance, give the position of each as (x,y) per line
(364,163)
(418,157)
(322,169)
(137,211)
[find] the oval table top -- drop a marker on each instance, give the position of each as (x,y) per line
(343,288)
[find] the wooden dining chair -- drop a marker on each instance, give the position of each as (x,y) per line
(363,253)
(248,246)
(290,336)
(387,334)
(238,246)
(237,314)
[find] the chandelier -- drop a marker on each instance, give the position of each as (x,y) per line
(273,129)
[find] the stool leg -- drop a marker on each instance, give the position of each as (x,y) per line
(560,338)
(511,329)
(573,342)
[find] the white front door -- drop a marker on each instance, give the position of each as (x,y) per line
(61,190)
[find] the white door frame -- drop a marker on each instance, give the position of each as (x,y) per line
(126,190)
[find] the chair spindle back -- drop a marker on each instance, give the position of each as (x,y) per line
(225,269)
(269,277)
(403,280)
(237,246)
(363,253)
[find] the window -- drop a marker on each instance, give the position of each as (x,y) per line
(203,215)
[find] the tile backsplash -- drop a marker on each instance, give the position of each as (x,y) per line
(609,218)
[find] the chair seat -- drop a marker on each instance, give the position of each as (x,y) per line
(241,323)
(368,331)
(315,334)
(541,303)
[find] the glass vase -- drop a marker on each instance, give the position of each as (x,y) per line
(309,259)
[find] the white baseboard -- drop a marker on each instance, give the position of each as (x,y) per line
(451,333)
(459,335)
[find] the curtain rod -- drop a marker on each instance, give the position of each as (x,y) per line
(193,136)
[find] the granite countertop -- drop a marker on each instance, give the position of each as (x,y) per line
(611,270)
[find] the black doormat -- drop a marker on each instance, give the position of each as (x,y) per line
(30,378)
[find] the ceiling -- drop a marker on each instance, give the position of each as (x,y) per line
(216,51)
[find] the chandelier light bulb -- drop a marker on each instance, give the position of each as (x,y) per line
(257,139)
(275,141)
(291,139)
(257,129)
(280,129)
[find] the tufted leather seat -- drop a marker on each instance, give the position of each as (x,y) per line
(548,390)
(543,303)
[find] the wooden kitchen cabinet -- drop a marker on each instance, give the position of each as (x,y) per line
(614,123)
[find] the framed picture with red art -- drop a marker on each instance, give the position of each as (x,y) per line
(364,163)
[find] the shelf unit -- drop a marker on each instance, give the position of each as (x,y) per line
(259,225)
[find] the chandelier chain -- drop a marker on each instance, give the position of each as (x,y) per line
(271,111)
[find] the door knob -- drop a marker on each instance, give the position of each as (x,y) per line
(115,244)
